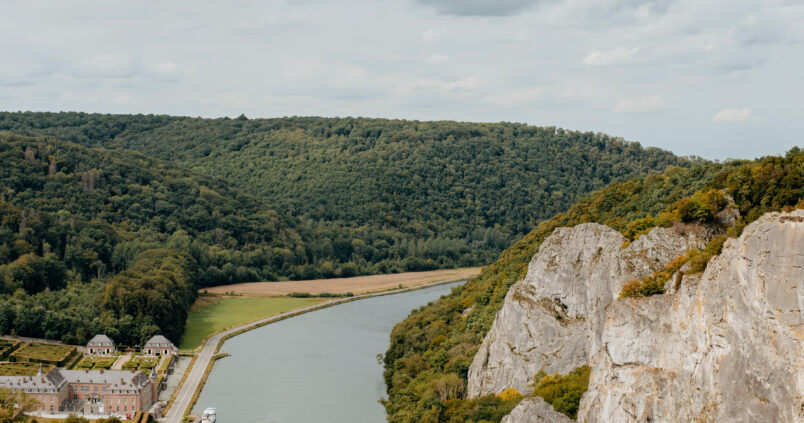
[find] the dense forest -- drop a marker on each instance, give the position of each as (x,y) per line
(73,216)
(426,364)
(379,195)
(90,224)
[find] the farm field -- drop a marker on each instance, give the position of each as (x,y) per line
(211,314)
(355,285)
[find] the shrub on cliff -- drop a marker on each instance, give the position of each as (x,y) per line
(563,392)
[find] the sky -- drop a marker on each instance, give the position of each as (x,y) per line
(713,78)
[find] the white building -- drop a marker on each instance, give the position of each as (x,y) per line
(159,345)
(101,345)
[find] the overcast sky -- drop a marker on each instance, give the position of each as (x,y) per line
(714,78)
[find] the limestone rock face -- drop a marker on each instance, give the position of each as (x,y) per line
(553,319)
(728,346)
(535,410)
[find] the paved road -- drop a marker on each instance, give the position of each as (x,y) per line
(187,390)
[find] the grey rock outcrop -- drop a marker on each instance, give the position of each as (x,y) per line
(728,346)
(535,410)
(553,319)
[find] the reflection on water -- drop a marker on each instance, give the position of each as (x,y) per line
(317,367)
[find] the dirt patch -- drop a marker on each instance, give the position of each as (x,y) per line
(356,285)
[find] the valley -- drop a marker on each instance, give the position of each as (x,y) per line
(414,211)
(104,239)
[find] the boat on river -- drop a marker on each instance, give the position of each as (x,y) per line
(209,416)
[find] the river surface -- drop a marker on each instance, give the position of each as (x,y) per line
(318,367)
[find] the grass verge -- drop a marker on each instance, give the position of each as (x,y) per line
(212,314)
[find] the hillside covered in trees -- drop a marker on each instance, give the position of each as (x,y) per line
(378,195)
(96,241)
(430,353)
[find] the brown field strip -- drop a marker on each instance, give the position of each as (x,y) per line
(355,285)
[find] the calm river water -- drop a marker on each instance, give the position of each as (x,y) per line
(317,367)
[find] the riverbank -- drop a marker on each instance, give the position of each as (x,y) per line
(190,389)
(355,285)
(227,306)
(214,313)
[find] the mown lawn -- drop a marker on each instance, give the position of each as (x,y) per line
(212,314)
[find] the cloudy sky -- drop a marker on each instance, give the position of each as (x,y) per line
(715,78)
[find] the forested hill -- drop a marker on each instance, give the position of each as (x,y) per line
(383,195)
(98,241)
(427,362)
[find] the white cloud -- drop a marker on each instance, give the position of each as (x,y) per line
(639,105)
(19,73)
(437,59)
(432,35)
(415,86)
(479,7)
(732,115)
(518,97)
(615,56)
(109,65)
(164,70)
(121,99)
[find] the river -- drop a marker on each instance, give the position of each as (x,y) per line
(318,367)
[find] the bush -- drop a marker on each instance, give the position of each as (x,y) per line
(639,227)
(654,284)
(701,207)
(563,392)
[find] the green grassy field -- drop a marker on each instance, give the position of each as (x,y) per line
(212,314)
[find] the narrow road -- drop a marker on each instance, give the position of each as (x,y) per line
(187,390)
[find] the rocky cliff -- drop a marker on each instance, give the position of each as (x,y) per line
(553,318)
(727,345)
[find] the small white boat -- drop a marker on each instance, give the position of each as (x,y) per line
(209,416)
